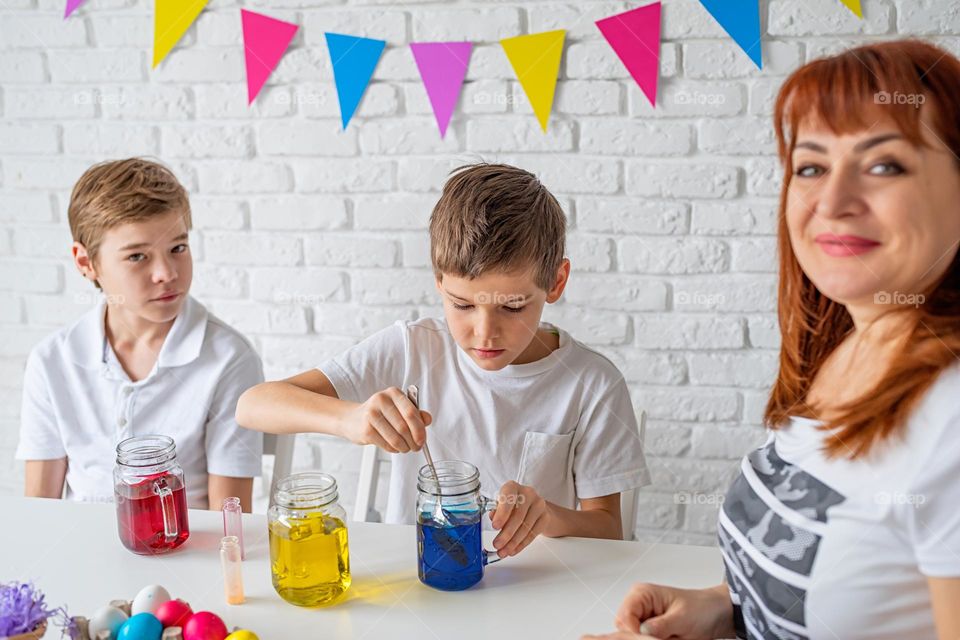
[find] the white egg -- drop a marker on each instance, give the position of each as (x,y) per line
(106,619)
(149,599)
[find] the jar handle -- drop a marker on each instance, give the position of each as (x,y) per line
(488,505)
(167,508)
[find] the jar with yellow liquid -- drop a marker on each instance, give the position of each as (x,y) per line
(309,559)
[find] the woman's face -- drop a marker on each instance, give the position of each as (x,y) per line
(873,220)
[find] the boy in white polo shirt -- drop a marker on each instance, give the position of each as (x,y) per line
(546,420)
(147,360)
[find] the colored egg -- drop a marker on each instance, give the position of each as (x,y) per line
(106,618)
(149,599)
(142,626)
(174,613)
(242,634)
(204,625)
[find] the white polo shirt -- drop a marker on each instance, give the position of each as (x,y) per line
(78,402)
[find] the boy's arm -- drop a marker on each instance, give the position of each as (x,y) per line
(308,403)
(44,478)
(220,487)
(305,403)
(522,514)
(596,518)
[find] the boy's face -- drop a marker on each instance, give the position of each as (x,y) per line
(494,318)
(144,267)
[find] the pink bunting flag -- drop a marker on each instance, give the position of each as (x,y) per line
(265,40)
(635,37)
(71,7)
(443,67)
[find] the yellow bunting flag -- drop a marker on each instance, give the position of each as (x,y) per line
(171,19)
(854,5)
(536,61)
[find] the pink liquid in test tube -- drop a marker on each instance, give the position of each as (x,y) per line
(233,522)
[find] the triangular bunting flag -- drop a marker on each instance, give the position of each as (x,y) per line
(740,19)
(71,7)
(265,40)
(171,19)
(443,67)
(536,61)
(354,60)
(854,5)
(635,38)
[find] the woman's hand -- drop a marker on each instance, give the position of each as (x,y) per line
(666,612)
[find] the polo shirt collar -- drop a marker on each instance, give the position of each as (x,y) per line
(85,339)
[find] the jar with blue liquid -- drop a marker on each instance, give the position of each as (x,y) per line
(450,553)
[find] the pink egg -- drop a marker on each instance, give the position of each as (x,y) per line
(204,625)
(174,613)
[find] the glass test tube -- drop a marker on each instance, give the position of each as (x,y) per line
(232,569)
(233,522)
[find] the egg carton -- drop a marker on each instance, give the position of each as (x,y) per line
(83,631)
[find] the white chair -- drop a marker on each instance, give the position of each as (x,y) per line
(281,448)
(628,499)
(363,510)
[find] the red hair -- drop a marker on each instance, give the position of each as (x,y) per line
(842,92)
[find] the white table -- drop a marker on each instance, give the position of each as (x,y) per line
(556,588)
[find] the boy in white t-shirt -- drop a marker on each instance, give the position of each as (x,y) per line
(546,420)
(148,360)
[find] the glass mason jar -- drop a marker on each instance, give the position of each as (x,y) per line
(450,553)
(150,495)
(309,557)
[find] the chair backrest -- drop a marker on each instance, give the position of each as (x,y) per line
(628,499)
(363,510)
(281,448)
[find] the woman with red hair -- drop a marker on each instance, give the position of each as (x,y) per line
(846,523)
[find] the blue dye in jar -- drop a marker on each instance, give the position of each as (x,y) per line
(450,557)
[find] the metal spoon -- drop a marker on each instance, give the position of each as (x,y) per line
(438,515)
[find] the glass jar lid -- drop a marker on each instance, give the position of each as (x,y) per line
(306,490)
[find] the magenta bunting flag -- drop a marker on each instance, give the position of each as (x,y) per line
(265,40)
(71,7)
(443,67)
(635,37)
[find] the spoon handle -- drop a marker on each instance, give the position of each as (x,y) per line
(413,394)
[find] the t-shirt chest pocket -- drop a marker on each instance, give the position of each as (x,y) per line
(546,464)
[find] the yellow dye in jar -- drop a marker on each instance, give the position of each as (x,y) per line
(309,559)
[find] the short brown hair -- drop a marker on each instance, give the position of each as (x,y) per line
(113,193)
(495,217)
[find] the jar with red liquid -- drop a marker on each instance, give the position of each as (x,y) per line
(150,495)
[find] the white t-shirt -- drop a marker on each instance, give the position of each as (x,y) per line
(563,424)
(826,549)
(78,402)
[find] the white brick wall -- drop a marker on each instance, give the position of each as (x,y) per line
(309,238)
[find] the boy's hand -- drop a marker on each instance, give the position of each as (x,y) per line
(521,516)
(389,420)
